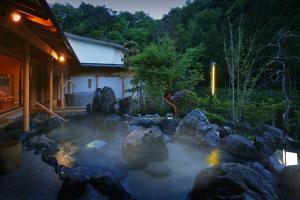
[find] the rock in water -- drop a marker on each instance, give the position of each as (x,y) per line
(75,182)
(125,106)
(195,129)
(289,181)
(239,147)
(143,146)
(71,190)
(168,126)
(103,101)
(225,131)
(265,145)
(232,181)
(110,188)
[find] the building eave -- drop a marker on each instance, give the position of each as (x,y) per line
(95,41)
(102,65)
(59,30)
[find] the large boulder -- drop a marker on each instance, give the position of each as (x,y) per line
(41,143)
(75,182)
(232,181)
(195,129)
(265,143)
(289,181)
(265,146)
(126,105)
(225,131)
(71,190)
(168,126)
(110,188)
(143,146)
(79,183)
(103,101)
(92,194)
(239,147)
(49,159)
(276,133)
(264,172)
(274,165)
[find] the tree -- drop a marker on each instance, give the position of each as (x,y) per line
(158,70)
(281,58)
(191,68)
(241,59)
(155,68)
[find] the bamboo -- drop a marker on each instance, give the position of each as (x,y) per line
(49,111)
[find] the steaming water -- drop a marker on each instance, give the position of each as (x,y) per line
(98,146)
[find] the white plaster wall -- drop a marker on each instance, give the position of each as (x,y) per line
(118,56)
(128,85)
(88,52)
(81,84)
(114,83)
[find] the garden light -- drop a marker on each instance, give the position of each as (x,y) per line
(289,158)
(16,17)
(213,78)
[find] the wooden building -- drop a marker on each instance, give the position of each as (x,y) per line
(35,57)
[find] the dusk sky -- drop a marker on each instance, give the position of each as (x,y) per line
(155,8)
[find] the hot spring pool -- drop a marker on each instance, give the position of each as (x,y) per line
(97,145)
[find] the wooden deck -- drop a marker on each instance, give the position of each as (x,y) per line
(10,116)
(14,115)
(5,107)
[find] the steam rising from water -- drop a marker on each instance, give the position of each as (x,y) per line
(98,146)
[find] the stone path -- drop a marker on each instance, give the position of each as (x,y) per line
(34,180)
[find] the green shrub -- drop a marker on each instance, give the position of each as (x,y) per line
(187,103)
(215,118)
(266,111)
(214,105)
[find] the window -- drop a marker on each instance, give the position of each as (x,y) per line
(89,83)
(4,80)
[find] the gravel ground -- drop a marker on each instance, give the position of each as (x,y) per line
(34,180)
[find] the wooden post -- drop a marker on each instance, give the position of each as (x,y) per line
(62,87)
(123,87)
(21,85)
(26,100)
(51,85)
(96,82)
(10,155)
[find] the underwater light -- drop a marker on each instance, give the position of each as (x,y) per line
(96,144)
(213,158)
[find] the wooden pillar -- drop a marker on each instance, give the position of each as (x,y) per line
(61,85)
(50,82)
(123,87)
(26,100)
(21,84)
(96,82)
